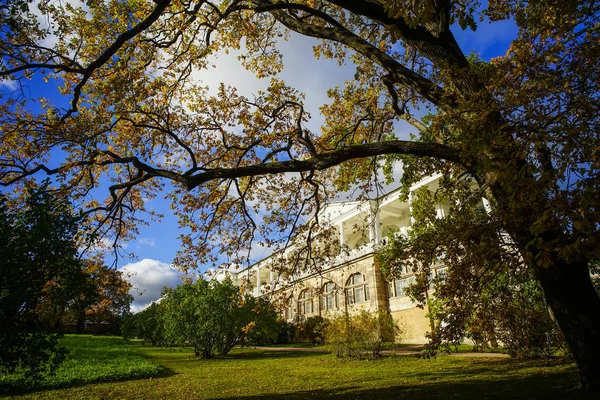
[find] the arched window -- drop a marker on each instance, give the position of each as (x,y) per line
(305,303)
(328,297)
(357,289)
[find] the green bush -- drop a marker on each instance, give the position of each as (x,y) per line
(266,326)
(213,317)
(286,332)
(361,335)
(311,330)
(147,325)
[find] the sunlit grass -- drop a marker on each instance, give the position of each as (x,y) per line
(275,374)
(90,359)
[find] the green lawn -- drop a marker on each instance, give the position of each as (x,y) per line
(90,359)
(299,345)
(260,374)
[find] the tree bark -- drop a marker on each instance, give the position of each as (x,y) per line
(80,327)
(576,308)
(567,285)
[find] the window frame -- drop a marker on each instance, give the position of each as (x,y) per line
(305,301)
(328,292)
(353,287)
(401,283)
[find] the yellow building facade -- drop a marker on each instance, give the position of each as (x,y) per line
(350,280)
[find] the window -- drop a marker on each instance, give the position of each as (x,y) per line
(442,273)
(390,288)
(305,303)
(329,297)
(357,290)
(398,287)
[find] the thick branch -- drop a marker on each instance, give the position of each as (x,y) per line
(440,47)
(397,73)
(330,159)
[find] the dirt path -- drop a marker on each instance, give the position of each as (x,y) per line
(413,350)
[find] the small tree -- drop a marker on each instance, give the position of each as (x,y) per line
(39,265)
(487,294)
(361,335)
(148,325)
(212,317)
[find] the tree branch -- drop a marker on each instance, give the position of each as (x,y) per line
(397,73)
(440,46)
(327,160)
(161,6)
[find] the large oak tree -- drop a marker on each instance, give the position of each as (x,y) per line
(524,126)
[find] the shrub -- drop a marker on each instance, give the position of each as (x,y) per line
(147,325)
(213,317)
(266,325)
(311,330)
(286,332)
(361,335)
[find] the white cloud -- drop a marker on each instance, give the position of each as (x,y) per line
(146,242)
(104,246)
(148,277)
(259,252)
(9,85)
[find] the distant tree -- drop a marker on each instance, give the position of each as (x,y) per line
(104,300)
(147,324)
(94,293)
(212,317)
(39,266)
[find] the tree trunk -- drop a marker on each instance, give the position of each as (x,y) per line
(567,285)
(576,308)
(80,327)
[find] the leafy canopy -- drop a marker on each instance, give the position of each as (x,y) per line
(137,115)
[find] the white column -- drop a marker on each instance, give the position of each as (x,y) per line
(341,233)
(440,211)
(257,293)
(374,226)
(486,205)
(410,199)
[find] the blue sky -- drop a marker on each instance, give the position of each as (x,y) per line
(156,245)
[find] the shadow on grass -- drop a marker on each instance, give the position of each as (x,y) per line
(25,386)
(257,354)
(236,354)
(504,389)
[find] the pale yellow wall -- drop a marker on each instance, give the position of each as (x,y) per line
(414,324)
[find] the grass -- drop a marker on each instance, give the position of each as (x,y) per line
(276,374)
(90,359)
(299,345)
